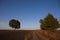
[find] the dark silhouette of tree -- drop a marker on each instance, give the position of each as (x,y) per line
(14,24)
(49,23)
(59,23)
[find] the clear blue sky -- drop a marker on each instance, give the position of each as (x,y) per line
(28,12)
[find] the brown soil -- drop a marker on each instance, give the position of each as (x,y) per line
(29,35)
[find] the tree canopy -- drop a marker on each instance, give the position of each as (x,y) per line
(49,23)
(14,23)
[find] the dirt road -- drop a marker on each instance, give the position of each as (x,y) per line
(27,35)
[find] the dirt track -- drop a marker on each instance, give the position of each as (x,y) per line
(28,35)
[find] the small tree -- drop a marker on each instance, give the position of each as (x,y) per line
(14,23)
(49,23)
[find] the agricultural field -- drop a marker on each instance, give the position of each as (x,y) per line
(29,35)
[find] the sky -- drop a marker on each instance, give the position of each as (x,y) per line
(28,12)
